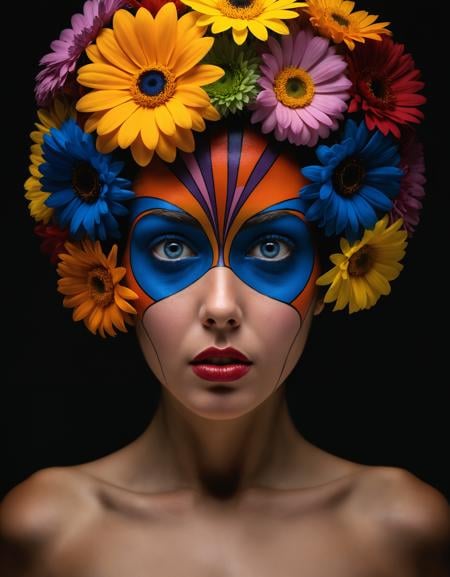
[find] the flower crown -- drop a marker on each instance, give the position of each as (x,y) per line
(143,76)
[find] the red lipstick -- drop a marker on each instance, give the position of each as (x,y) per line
(220,365)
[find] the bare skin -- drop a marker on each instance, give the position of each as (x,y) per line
(222,484)
(267,505)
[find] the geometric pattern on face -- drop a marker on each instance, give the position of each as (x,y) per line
(233,202)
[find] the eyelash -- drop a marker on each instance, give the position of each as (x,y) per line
(265,239)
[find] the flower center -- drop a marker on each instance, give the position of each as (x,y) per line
(380,89)
(153,87)
(241,9)
(361,262)
(294,87)
(348,176)
(341,20)
(241,3)
(86,182)
(101,286)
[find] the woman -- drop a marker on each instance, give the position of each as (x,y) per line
(220,271)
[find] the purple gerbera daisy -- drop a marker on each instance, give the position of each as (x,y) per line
(61,62)
(304,88)
(408,203)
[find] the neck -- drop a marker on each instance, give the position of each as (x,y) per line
(222,457)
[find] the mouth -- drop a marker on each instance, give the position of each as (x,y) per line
(220,365)
(215,356)
(219,361)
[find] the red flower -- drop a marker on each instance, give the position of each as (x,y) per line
(385,82)
(154,5)
(53,239)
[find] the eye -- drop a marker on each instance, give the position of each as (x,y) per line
(271,248)
(172,249)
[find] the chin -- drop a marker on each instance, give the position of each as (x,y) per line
(220,402)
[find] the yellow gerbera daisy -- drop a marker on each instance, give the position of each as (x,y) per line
(52,117)
(362,272)
(335,19)
(244,15)
(146,84)
(90,280)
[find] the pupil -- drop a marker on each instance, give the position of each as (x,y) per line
(173,249)
(270,249)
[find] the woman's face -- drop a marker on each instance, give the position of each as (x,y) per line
(221,257)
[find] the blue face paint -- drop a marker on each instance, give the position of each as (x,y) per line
(275,257)
(168,255)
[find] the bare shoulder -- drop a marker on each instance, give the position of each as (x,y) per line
(35,513)
(410,516)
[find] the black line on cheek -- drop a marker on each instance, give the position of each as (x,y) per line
(290,347)
(154,348)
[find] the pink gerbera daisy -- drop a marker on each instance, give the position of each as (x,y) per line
(408,203)
(385,85)
(72,42)
(304,89)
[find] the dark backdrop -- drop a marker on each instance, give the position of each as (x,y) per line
(370,387)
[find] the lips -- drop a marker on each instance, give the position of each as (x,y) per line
(220,365)
(215,356)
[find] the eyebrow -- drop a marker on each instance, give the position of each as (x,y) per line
(187,218)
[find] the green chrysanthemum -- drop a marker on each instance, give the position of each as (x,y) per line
(238,87)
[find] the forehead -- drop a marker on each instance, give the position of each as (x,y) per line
(230,177)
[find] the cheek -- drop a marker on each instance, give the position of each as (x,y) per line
(162,327)
(276,325)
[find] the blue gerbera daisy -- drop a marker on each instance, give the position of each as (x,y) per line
(356,184)
(84,186)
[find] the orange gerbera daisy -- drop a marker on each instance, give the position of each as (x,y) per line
(335,19)
(90,282)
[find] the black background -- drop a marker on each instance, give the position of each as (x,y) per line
(370,387)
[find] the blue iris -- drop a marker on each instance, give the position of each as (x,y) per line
(152,82)
(356,183)
(85,189)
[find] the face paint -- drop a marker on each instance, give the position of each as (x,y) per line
(234,202)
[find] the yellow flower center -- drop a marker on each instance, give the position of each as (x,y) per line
(348,176)
(294,87)
(85,182)
(241,9)
(341,20)
(361,262)
(101,286)
(153,86)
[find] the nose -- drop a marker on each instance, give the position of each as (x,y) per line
(220,308)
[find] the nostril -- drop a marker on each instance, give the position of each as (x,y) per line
(211,322)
